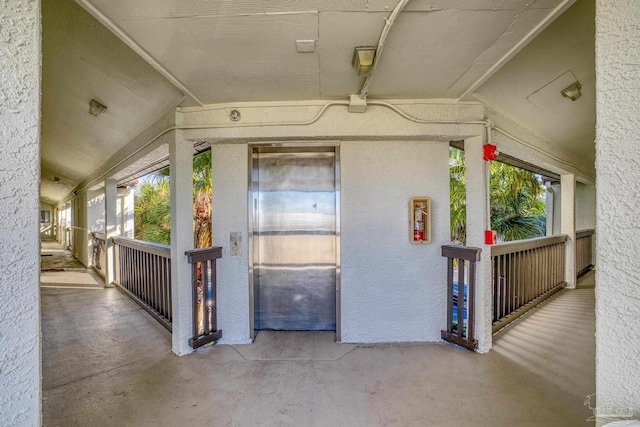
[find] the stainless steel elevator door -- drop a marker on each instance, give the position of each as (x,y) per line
(294,271)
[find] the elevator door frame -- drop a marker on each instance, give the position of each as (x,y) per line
(252,218)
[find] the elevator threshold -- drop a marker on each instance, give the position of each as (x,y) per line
(295,345)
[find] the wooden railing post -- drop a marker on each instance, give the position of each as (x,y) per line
(204,290)
(459,301)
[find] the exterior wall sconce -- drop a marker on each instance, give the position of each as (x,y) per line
(96,108)
(363,58)
(573,91)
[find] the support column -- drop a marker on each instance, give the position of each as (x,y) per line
(618,207)
(20,334)
(181,178)
(568,226)
(477,194)
(128,218)
(549,196)
(110,228)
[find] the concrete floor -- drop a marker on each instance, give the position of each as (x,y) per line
(54,257)
(59,269)
(107,363)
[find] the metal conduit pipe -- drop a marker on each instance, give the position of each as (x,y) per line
(487,182)
(323,109)
(383,38)
(431,122)
(303,123)
(197,127)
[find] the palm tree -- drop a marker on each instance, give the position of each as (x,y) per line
(152,210)
(202,187)
(517,209)
(457,188)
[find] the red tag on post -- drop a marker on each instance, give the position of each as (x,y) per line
(489,152)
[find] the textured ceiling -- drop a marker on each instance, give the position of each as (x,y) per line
(528,87)
(245,50)
(232,51)
(83,60)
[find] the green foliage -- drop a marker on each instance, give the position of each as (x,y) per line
(202,188)
(153,209)
(517,209)
(457,188)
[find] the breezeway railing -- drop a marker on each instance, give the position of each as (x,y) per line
(98,253)
(143,273)
(525,273)
(204,290)
(584,250)
(461,290)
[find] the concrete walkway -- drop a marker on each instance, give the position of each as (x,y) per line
(106,363)
(54,257)
(557,341)
(59,269)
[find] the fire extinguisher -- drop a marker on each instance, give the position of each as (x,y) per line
(418,224)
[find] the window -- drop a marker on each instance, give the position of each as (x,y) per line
(45,216)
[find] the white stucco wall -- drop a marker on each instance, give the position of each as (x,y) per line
(392,290)
(20,369)
(125,214)
(618,203)
(95,211)
(585,206)
(229,214)
(80,231)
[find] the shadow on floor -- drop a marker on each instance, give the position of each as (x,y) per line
(54,257)
(556,341)
(107,363)
(60,269)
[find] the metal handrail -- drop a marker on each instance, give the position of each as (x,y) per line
(141,245)
(527,244)
(585,233)
(99,236)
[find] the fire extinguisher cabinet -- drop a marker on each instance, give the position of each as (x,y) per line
(420,220)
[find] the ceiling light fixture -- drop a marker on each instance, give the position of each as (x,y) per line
(572,91)
(96,108)
(363,58)
(56,180)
